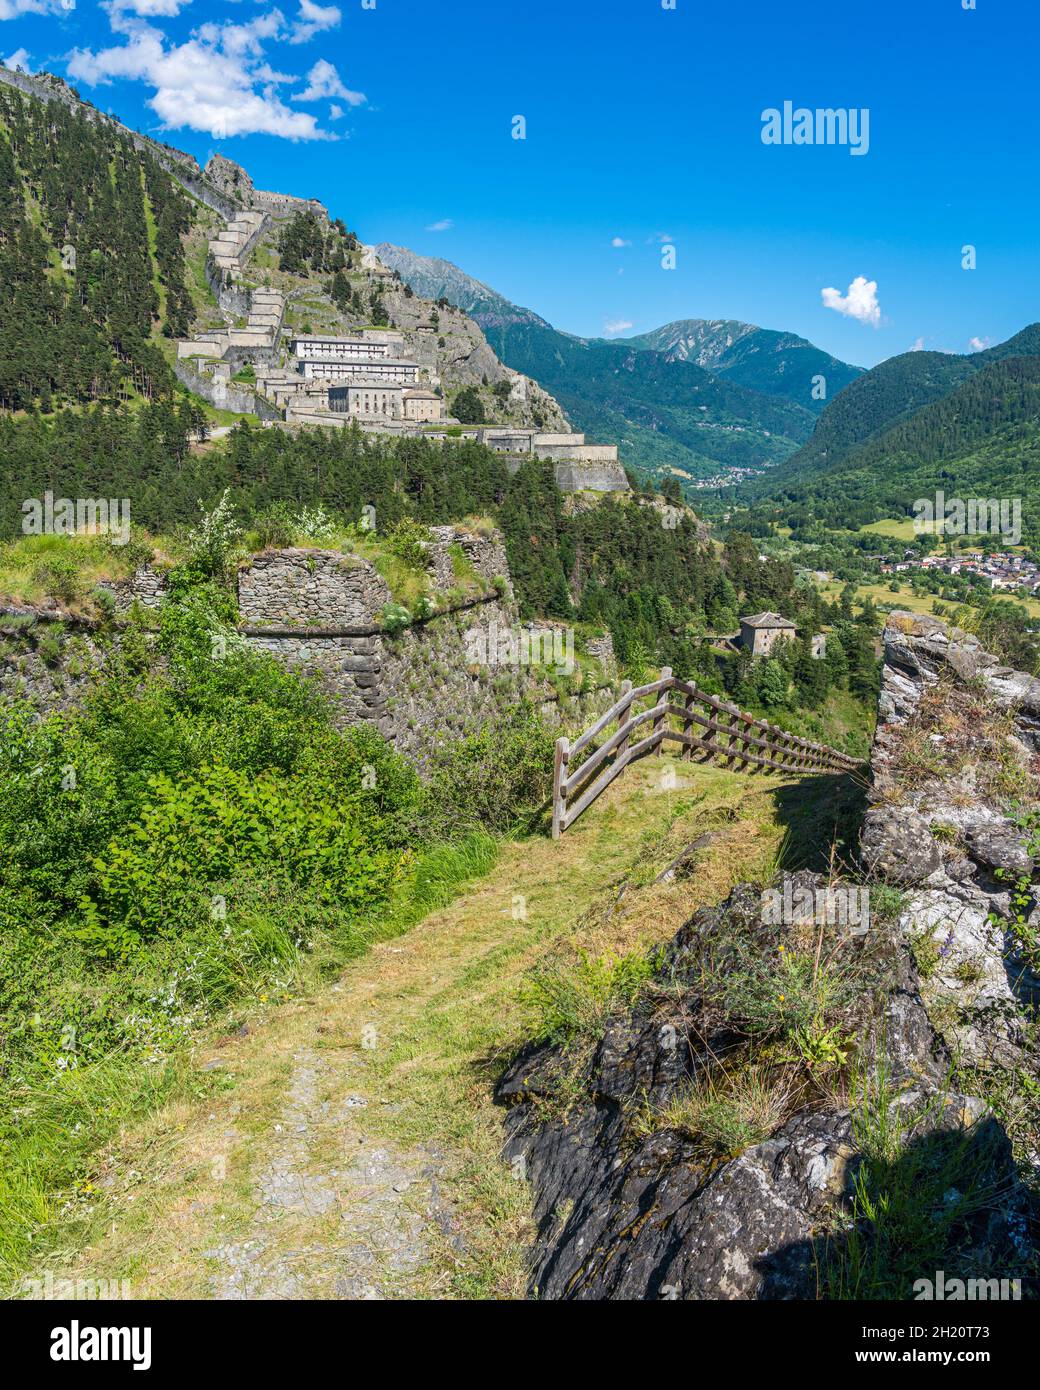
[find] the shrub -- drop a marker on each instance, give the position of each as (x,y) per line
(395,618)
(213,828)
(408,541)
(59,576)
(212,542)
(498,777)
(275,527)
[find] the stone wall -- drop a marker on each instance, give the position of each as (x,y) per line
(232,298)
(146,586)
(321,614)
(591,477)
(225,394)
(310,588)
(45,661)
(579,477)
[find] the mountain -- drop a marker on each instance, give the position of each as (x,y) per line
(434,278)
(92,266)
(920,408)
(982,439)
(670,414)
(780,364)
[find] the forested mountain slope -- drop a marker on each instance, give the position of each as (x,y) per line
(892,392)
(780,364)
(980,440)
(91,261)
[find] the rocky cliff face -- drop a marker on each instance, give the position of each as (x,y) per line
(703,1147)
(955,751)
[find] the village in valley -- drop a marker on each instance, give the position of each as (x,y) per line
(1000,570)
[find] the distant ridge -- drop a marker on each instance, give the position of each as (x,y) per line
(781,364)
(705,405)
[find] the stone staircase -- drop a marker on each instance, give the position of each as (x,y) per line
(259,340)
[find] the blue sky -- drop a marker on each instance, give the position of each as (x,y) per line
(642,123)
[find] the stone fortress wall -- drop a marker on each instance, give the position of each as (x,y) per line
(321,613)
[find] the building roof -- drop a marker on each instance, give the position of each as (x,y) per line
(366,384)
(421,396)
(767,620)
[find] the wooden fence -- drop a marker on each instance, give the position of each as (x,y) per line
(708,725)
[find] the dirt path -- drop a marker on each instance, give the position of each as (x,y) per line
(346,1146)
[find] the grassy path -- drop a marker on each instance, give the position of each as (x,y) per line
(346,1145)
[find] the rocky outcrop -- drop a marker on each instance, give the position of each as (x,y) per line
(626,1214)
(954,750)
(630,1203)
(235,184)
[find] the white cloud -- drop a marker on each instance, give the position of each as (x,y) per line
(151,9)
(979,344)
(313,19)
(619,241)
(612,326)
(18,61)
(859,303)
(917,346)
(214,82)
(444,225)
(324,81)
(11,9)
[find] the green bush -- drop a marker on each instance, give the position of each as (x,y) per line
(60,577)
(498,777)
(212,828)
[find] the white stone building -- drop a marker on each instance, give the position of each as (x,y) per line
(423,406)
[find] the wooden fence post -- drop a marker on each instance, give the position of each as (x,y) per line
(731,735)
(623,722)
(559,777)
(662,702)
(687,753)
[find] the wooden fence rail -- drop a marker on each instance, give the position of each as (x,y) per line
(708,725)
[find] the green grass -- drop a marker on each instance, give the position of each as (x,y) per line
(445,996)
(27,565)
(901,528)
(921,1193)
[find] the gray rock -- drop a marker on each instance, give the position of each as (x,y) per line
(896,844)
(999,845)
